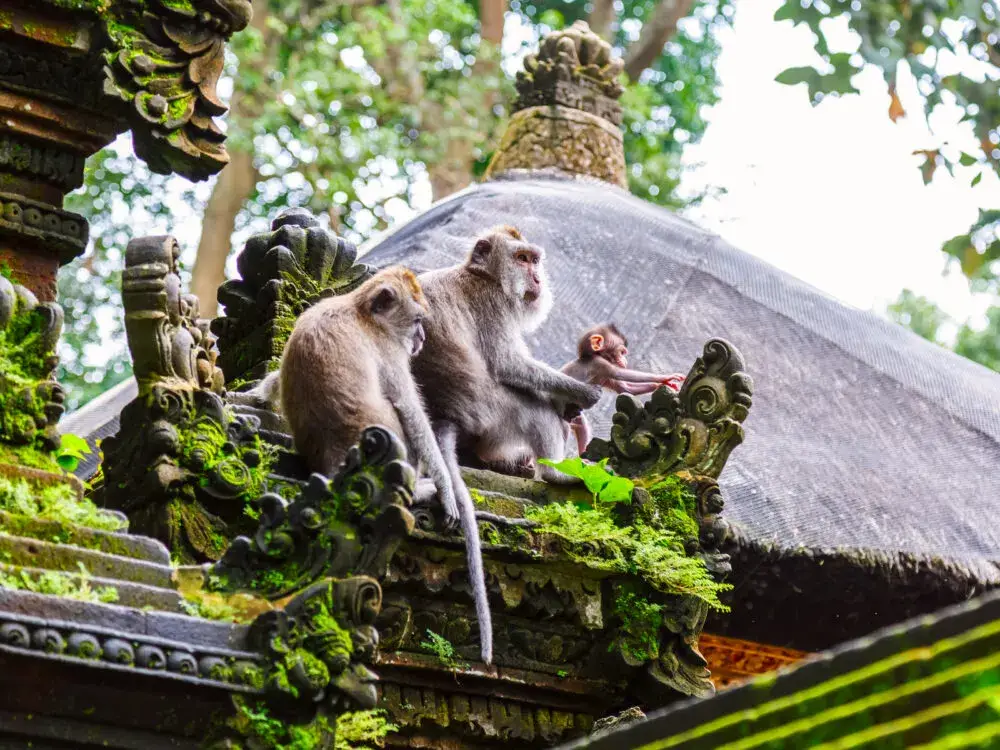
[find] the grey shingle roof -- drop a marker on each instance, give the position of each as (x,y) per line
(862,434)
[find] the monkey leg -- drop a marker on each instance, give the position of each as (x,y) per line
(425,491)
(548,440)
(581,431)
(504,457)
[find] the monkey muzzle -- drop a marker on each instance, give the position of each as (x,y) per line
(419,337)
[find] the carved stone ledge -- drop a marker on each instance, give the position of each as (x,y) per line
(694,430)
(282,273)
(62,231)
(106,648)
(182,466)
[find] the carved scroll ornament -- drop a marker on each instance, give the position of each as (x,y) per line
(164,60)
(182,467)
(693,430)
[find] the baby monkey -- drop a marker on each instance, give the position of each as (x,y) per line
(602,359)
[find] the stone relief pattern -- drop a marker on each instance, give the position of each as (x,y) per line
(59,230)
(282,273)
(182,467)
(102,647)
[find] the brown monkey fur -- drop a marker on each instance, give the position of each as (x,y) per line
(345,367)
(482,386)
(602,359)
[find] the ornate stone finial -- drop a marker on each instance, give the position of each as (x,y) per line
(567,114)
(573,68)
(694,430)
(282,272)
(182,466)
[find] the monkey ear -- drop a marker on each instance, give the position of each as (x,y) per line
(481,252)
(597,342)
(383,300)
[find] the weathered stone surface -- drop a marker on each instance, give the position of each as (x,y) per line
(567,139)
(130,594)
(124,545)
(35,553)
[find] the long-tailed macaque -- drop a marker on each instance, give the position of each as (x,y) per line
(483,388)
(347,366)
(602,359)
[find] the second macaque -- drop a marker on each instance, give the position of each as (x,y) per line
(602,359)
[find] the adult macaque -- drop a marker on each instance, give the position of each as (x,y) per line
(483,388)
(347,366)
(602,359)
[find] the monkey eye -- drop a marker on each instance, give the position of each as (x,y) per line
(624,351)
(523,258)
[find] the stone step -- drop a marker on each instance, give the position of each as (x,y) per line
(130,594)
(113,543)
(34,553)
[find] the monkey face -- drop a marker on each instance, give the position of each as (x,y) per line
(397,305)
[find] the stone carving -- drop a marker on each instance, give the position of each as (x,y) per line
(182,466)
(55,229)
(164,61)
(96,646)
(49,163)
(31,402)
(693,430)
(574,68)
(282,272)
(317,644)
(328,548)
(350,523)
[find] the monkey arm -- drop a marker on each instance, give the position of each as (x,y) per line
(421,439)
(636,389)
(637,376)
(532,375)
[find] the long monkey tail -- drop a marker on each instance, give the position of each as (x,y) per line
(447,439)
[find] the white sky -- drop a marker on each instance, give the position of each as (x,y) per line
(831,194)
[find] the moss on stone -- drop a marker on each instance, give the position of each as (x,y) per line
(56,503)
(57,583)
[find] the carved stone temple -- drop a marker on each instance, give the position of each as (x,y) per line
(820,475)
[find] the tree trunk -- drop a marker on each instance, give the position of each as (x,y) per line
(232,189)
(454,170)
(656,32)
(601,16)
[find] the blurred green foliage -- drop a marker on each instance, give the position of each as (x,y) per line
(346,107)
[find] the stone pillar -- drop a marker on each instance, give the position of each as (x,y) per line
(73,74)
(567,114)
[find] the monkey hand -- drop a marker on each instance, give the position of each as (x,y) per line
(449,506)
(673,381)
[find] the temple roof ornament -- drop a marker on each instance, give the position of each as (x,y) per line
(573,68)
(567,114)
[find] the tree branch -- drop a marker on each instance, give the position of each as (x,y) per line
(656,32)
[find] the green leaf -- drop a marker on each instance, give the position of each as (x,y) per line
(967,160)
(605,486)
(73,445)
(792,76)
(976,180)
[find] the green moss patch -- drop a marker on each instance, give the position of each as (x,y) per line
(651,546)
(55,503)
(55,583)
(353,730)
